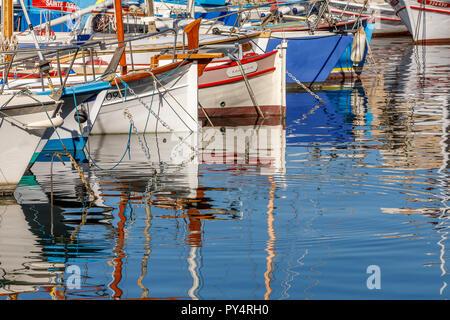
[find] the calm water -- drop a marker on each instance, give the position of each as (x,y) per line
(294,211)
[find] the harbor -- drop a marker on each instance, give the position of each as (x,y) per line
(215,150)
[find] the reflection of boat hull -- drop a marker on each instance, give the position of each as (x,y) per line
(173,156)
(223,91)
(241,121)
(424,136)
(261,146)
(326,123)
(22,266)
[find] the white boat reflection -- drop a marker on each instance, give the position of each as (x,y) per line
(23,267)
(258,145)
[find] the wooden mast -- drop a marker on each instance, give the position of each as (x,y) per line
(120,34)
(150,12)
(7,19)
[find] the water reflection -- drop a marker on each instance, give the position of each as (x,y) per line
(413,132)
(329,121)
(255,210)
(165,186)
(22,264)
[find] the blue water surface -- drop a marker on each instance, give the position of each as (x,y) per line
(294,210)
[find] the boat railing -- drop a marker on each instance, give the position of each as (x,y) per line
(314,12)
(59,60)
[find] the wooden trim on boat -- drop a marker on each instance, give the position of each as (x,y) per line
(203,59)
(194,56)
(192,30)
(242,112)
(147,73)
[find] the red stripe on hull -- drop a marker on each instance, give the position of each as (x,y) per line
(250,75)
(429,9)
(30,76)
(388,19)
(349,13)
(402,8)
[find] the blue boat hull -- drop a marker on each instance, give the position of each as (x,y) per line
(311,59)
(344,67)
(228,20)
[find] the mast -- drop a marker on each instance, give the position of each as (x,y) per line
(44,65)
(7,19)
(120,34)
(33,35)
(150,12)
(190,8)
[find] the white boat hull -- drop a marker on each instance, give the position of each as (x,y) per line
(175,105)
(223,92)
(17,141)
(387,24)
(426,20)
